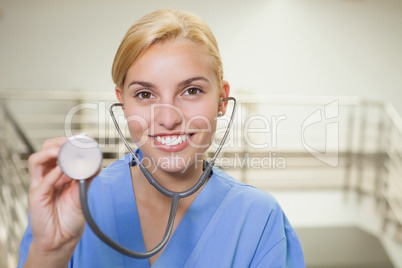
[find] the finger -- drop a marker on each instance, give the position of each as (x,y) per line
(47,185)
(64,180)
(53,142)
(41,162)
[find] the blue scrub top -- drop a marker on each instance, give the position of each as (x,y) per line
(229,224)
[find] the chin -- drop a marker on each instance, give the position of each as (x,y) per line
(173,167)
(173,163)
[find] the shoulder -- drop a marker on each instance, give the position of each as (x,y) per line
(246,194)
(250,206)
(252,222)
(119,164)
(114,171)
(254,205)
(110,187)
(265,221)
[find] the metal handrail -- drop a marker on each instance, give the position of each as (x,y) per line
(21,134)
(13,186)
(356,118)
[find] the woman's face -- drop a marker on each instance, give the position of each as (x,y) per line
(171,97)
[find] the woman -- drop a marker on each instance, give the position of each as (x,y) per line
(168,74)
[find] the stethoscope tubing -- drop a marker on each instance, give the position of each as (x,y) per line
(176,196)
(110,242)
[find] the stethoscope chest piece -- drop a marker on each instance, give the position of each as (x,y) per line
(80,157)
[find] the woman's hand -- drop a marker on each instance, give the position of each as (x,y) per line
(56,217)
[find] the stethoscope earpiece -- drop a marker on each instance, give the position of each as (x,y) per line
(220,101)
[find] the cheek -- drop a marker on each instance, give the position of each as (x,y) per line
(202,119)
(138,123)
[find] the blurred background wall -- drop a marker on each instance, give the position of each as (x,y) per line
(276,47)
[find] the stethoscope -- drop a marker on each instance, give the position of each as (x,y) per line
(81,158)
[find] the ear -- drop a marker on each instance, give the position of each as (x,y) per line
(224,94)
(119,94)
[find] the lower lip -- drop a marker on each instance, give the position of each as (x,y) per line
(171,148)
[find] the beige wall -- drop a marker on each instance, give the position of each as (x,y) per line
(285,47)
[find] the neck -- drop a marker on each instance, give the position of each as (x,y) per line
(173,181)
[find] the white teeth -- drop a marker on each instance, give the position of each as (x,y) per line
(175,140)
(172,140)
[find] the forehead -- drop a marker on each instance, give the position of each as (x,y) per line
(173,60)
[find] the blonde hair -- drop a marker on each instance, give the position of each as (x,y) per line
(160,26)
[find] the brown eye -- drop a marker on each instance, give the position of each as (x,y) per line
(145,95)
(192,91)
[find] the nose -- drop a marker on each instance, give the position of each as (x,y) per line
(167,115)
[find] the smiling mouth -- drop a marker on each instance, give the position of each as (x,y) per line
(172,140)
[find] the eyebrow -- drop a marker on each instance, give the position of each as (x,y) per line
(181,84)
(142,83)
(190,80)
